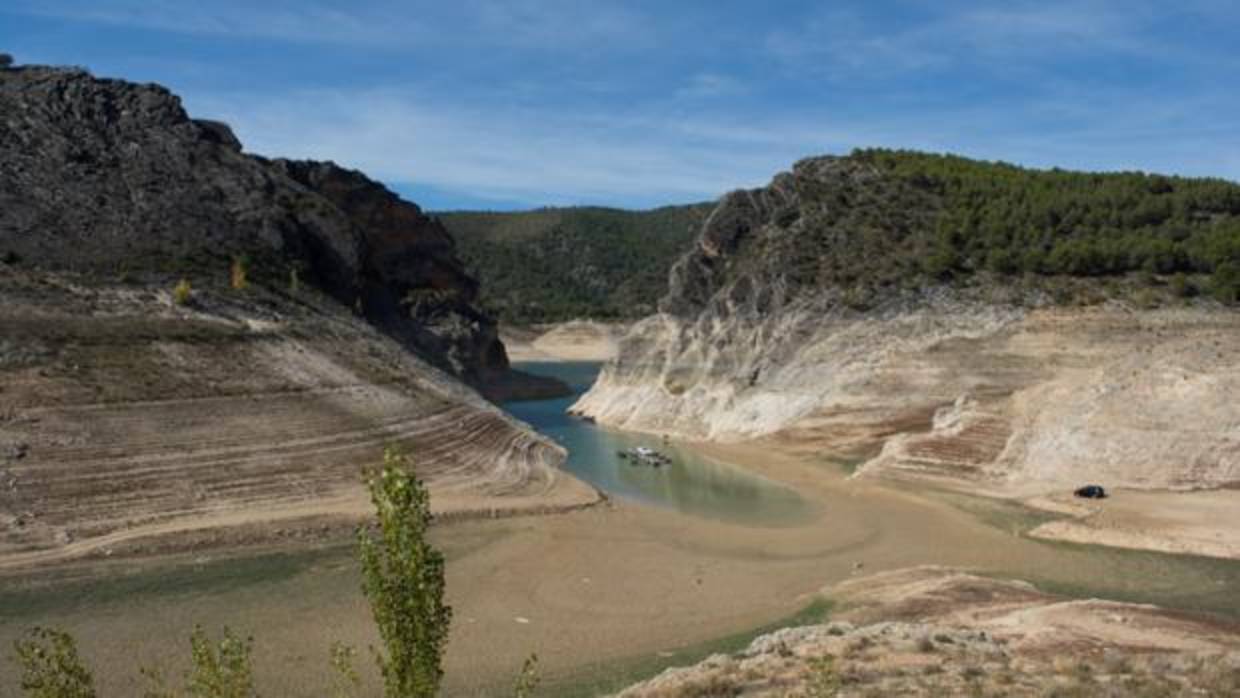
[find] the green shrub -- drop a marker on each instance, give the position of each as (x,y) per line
(50,666)
(1181,287)
(1225,285)
(239,274)
(528,679)
(182,292)
(347,679)
(217,670)
(222,670)
(824,680)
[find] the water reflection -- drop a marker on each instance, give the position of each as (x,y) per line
(691,483)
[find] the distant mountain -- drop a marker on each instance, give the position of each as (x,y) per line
(562,263)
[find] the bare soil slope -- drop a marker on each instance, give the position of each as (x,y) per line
(130,424)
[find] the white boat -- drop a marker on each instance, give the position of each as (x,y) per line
(644,454)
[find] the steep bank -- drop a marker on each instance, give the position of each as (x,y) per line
(203,345)
(846,308)
(132,426)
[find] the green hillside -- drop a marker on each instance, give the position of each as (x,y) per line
(1010,219)
(561,263)
(881,218)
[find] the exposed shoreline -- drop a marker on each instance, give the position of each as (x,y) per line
(1203,522)
(589,589)
(577,340)
(606,584)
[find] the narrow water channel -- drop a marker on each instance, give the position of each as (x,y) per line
(691,483)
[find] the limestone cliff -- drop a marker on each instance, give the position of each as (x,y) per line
(991,379)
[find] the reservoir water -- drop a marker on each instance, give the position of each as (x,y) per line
(692,483)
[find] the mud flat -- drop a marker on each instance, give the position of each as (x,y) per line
(594,592)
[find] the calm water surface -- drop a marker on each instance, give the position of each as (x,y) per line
(692,483)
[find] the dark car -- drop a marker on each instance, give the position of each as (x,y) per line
(1091,492)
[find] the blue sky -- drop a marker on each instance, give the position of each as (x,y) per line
(513,104)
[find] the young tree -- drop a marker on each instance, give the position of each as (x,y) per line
(50,666)
(403,579)
(347,680)
(528,679)
(219,670)
(182,292)
(239,274)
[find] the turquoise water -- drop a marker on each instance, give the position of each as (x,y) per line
(691,483)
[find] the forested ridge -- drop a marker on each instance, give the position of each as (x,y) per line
(557,264)
(877,221)
(882,219)
(1010,219)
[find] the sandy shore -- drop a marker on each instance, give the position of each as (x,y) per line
(568,341)
(586,590)
(1194,523)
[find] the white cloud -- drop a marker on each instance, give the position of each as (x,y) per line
(651,154)
(710,86)
(552,24)
(667,122)
(304,22)
(534,155)
(847,43)
(392,24)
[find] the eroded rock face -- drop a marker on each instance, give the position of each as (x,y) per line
(413,285)
(745,344)
(964,385)
(114,179)
(134,426)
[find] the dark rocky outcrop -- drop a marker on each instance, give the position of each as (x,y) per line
(106,177)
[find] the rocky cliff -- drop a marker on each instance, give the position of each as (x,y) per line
(323,319)
(816,310)
(114,179)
